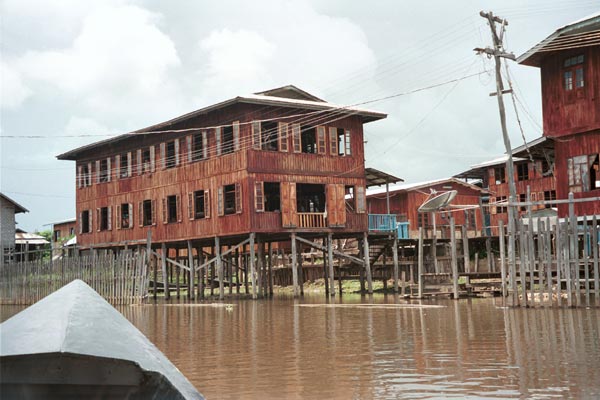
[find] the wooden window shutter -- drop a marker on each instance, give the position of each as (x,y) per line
(79,176)
(90,220)
(188,141)
(108,169)
(238,197)
(259,198)
(341,204)
(218,140)
(80,222)
(206,204)
(333,141)
(493,208)
(191,205)
(321,139)
(204,145)
(236,135)
(164,210)
(176,151)
(98,171)
(141,213)
(360,200)
(117,167)
(256,145)
(118,216)
(179,211)
(153,209)
(109,225)
(330,201)
(163,155)
(130,207)
(348,143)
(283,136)
(98,219)
(152,159)
(89,175)
(129,164)
(296,138)
(220,206)
(288,205)
(139,162)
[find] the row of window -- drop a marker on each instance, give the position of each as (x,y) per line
(423,219)
(499,204)
(523,172)
(266,135)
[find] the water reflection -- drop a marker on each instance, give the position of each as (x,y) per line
(311,348)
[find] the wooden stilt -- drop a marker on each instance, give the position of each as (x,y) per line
(454,258)
(395,259)
(330,262)
(191,271)
(260,266)
(201,273)
(339,246)
(301,275)
(596,261)
(252,266)
(219,262)
(270,269)
(163,260)
(503,276)
(361,274)
(420,263)
(465,241)
(237,271)
(367,259)
(294,266)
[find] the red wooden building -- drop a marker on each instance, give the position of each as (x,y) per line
(405,199)
(569,62)
(533,170)
(271,163)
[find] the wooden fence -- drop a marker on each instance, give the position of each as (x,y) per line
(120,279)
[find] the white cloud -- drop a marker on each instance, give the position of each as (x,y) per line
(13,91)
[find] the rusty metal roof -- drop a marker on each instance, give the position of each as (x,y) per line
(376,177)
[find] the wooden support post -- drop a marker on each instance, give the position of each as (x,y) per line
(270,266)
(252,266)
(163,263)
(368,263)
(559,254)
(548,248)
(420,263)
(361,273)
(237,271)
(201,274)
(586,256)
(540,260)
(260,263)
(330,264)
(212,271)
(245,259)
(219,268)
(191,271)
(488,252)
(503,276)
(301,275)
(325,265)
(177,275)
(531,249)
(596,261)
(230,270)
(395,258)
(454,258)
(340,249)
(294,265)
(572,251)
(522,272)
(465,241)
(433,249)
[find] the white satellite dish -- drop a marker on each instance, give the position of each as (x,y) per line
(437,202)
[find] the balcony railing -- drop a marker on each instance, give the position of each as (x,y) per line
(311,220)
(382,222)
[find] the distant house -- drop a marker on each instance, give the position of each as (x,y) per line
(63,234)
(533,169)
(8,209)
(28,246)
(569,62)
(406,198)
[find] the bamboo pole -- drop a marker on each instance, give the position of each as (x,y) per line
(330,264)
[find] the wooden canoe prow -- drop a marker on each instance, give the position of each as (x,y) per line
(74,344)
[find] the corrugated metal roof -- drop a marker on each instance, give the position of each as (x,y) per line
(376,177)
(29,238)
(406,187)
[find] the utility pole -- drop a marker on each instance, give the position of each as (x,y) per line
(498,53)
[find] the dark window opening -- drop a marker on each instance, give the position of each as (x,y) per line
(123,166)
(125,217)
(500,175)
(56,236)
(199,204)
(87,175)
(272,196)
(269,135)
(522,199)
(229,199)
(343,142)
(350,198)
(310,198)
(522,172)
(170,160)
(147,212)
(595,173)
(227,144)
(550,195)
(85,222)
(583,172)
(545,167)
(146,159)
(171,208)
(197,147)
(71,231)
(309,140)
(103,218)
(423,220)
(103,173)
(502,208)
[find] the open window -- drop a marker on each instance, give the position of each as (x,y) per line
(523,171)
(171,209)
(227,139)
(197,147)
(85,222)
(104,219)
(267,196)
(229,199)
(170,153)
(199,204)
(103,170)
(124,165)
(145,160)
(500,175)
(549,195)
(584,173)
(350,199)
(310,198)
(340,145)
(147,213)
(269,135)
(125,216)
(85,175)
(308,139)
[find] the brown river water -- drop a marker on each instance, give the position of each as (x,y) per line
(376,348)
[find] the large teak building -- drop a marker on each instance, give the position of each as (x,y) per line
(271,163)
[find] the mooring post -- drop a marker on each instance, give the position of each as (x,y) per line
(420,263)
(330,261)
(260,265)
(454,258)
(573,251)
(253,266)
(163,264)
(219,268)
(368,262)
(502,257)
(200,251)
(294,265)
(395,258)
(465,240)
(191,271)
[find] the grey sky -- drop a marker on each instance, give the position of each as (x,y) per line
(106,67)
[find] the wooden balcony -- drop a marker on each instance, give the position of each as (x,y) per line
(311,220)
